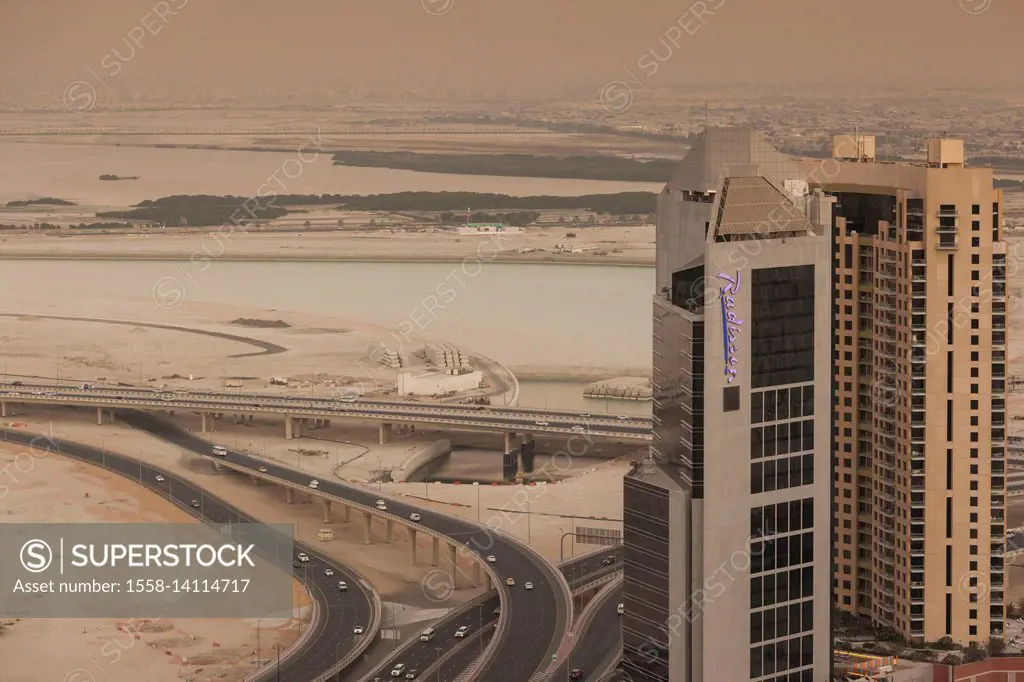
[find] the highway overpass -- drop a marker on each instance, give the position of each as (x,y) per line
(303,412)
(532,624)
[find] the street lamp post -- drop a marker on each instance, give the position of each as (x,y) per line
(258,620)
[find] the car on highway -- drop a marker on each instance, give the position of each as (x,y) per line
(314,484)
(576,674)
(302,556)
(342,586)
(491,558)
(461,632)
(382,505)
(608,561)
(220,451)
(623,417)
(328,572)
(497,611)
(159,479)
(195,503)
(414,517)
(357,630)
(398,670)
(297,564)
(510,581)
(412,674)
(541,424)
(577,429)
(528,586)
(620,609)
(263,470)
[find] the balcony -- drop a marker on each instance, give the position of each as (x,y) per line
(948,242)
(949,228)
(947,213)
(918,275)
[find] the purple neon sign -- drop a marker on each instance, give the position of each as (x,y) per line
(731,325)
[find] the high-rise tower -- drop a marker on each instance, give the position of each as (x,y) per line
(727,541)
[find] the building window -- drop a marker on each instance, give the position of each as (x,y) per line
(782,326)
(975,209)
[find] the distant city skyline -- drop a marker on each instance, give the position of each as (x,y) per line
(528,46)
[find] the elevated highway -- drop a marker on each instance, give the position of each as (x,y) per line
(532,624)
(298,412)
(330,643)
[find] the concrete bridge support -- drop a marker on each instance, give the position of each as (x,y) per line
(255,480)
(348,513)
(453,566)
(99,416)
(383,433)
(206,423)
(367,520)
(390,526)
(488,583)
(3,409)
(435,558)
(289,495)
(412,546)
(217,467)
(476,574)
(510,441)
(288,427)
(327,511)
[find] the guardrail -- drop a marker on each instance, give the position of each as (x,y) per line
(586,618)
(372,630)
(426,674)
(268,671)
(596,582)
(314,620)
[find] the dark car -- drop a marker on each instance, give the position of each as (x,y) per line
(297,564)
(576,674)
(17,383)
(608,561)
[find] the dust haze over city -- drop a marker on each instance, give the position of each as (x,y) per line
(450,340)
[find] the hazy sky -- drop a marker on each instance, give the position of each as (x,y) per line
(506,44)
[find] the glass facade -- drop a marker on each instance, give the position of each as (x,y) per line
(645,556)
(782,326)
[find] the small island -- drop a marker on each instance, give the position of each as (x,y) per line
(45,201)
(119,177)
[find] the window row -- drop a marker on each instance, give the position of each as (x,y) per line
(784,403)
(788,654)
(780,474)
(784,517)
(781,439)
(784,552)
(779,588)
(783,621)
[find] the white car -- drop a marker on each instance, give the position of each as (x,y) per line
(381,505)
(314,483)
(491,558)
(577,429)
(461,632)
(328,572)
(621,608)
(357,630)
(342,586)
(414,517)
(159,479)
(398,670)
(542,424)
(263,470)
(528,586)
(303,557)
(510,582)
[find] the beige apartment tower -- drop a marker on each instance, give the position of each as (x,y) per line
(920,401)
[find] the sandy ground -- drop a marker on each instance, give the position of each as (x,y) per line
(85,650)
(624,246)
(84,351)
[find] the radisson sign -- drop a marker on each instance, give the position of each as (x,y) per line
(731,325)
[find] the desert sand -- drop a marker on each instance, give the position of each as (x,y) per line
(623,245)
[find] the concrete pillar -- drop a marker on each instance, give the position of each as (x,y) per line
(99,416)
(510,437)
(435,558)
(3,409)
(453,567)
(217,467)
(476,574)
(348,513)
(412,546)
(203,428)
(327,422)
(383,433)
(327,511)
(288,427)
(255,480)
(368,519)
(489,584)
(289,495)
(390,530)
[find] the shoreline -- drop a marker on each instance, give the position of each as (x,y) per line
(633,262)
